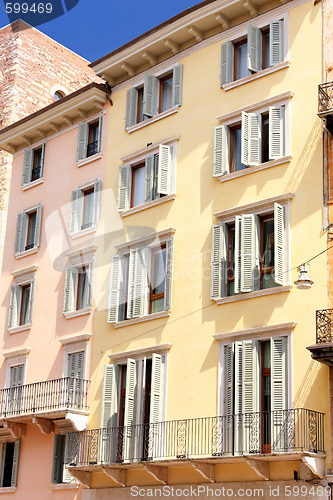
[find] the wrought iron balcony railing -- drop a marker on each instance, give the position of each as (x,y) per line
(92,148)
(43,397)
(251,433)
(324,323)
(325,98)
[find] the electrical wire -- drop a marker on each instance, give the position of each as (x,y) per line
(312,258)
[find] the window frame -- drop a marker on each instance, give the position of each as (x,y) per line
(29,159)
(24,277)
(22,231)
(84,131)
(77,208)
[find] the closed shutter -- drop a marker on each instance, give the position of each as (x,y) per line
(100,130)
(76,211)
(110,396)
(21,229)
(58,454)
(227,62)
(149,178)
(156,437)
(250,270)
(75,365)
(276,54)
(150,93)
(16,376)
(279,244)
(221,151)
(27,166)
(42,161)
(276,132)
(15,463)
(13,306)
(82,141)
(177,81)
(31,303)
(131,107)
(90,283)
(245,138)
(97,202)
(130,410)
(228,410)
(168,273)
(279,392)
(68,304)
(114,292)
(250,396)
(66,475)
(239,417)
(38,225)
(238,254)
(137,287)
(253,48)
(254,138)
(124,187)
(164,170)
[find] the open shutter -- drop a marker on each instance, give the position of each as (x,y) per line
(97,202)
(245,138)
(228,410)
(124,187)
(239,417)
(68,304)
(250,397)
(137,287)
(27,166)
(276,132)
(110,396)
(31,303)
(177,82)
(164,170)
(13,306)
(57,465)
(218,266)
(130,410)
(156,437)
(238,254)
(114,292)
(150,93)
(91,268)
(15,463)
(254,138)
(253,48)
(82,141)
(20,232)
(279,397)
(149,178)
(221,151)
(75,218)
(42,160)
(276,42)
(279,244)
(250,271)
(100,130)
(131,107)
(38,225)
(227,62)
(168,273)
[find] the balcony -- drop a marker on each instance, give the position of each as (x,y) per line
(323,349)
(325,104)
(251,438)
(42,402)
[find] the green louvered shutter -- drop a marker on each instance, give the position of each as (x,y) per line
(68,304)
(21,229)
(253,48)
(124,187)
(15,463)
(221,151)
(276,42)
(250,270)
(238,254)
(31,303)
(58,453)
(130,410)
(177,82)
(276,132)
(82,141)
(131,107)
(227,62)
(279,244)
(150,94)
(250,395)
(38,225)
(279,392)
(114,292)
(149,178)
(254,138)
(27,166)
(164,170)
(228,411)
(76,211)
(168,273)
(13,306)
(100,131)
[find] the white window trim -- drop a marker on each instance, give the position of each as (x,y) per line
(121,357)
(72,348)
(32,184)
(258,207)
(27,252)
(149,240)
(93,227)
(255,76)
(35,249)
(141,154)
(19,359)
(153,119)
(21,328)
(76,314)
(25,274)
(64,486)
(150,204)
(253,295)
(256,168)
(9,489)
(141,319)
(90,159)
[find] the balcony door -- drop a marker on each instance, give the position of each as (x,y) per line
(15,390)
(75,369)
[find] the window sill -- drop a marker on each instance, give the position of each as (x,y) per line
(33,184)
(149,317)
(75,314)
(64,486)
(26,253)
(9,489)
(21,328)
(83,232)
(252,295)
(90,159)
(256,168)
(254,76)
(153,119)
(150,204)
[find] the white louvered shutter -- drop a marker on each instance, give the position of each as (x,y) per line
(250,394)
(227,62)
(38,225)
(68,304)
(250,270)
(221,151)
(90,283)
(276,54)
(215,262)
(97,202)
(164,170)
(21,229)
(228,410)
(156,438)
(109,434)
(76,215)
(42,161)
(238,384)
(245,138)
(276,132)
(279,244)
(150,94)
(254,138)
(253,48)
(27,166)
(149,178)
(238,254)
(13,306)
(130,410)
(100,130)
(168,273)
(279,391)
(15,463)
(131,107)
(114,292)
(82,141)
(31,303)
(137,287)
(124,187)
(177,83)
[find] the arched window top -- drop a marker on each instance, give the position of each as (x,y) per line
(58,95)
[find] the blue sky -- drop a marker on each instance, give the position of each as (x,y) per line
(95,27)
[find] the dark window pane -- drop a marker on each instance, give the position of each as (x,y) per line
(236,140)
(268,243)
(241,61)
(265,140)
(265,55)
(166,94)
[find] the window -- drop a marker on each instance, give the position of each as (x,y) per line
(33,164)
(59,472)
(140,282)
(255,395)
(133,399)
(89,139)
(259,138)
(78,288)
(158,94)
(28,229)
(9,464)
(58,95)
(248,253)
(261,49)
(145,181)
(21,306)
(85,206)
(16,380)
